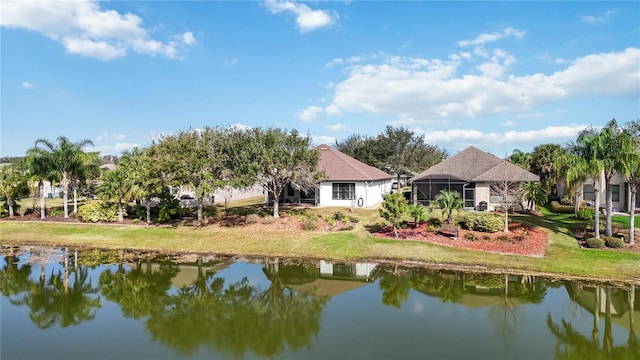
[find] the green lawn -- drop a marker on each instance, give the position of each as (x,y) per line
(563,256)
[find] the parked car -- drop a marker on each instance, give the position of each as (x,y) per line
(186,197)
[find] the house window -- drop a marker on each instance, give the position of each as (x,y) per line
(344,191)
(615,197)
(588,193)
(495,197)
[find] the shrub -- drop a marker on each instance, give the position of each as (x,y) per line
(471,236)
(310,222)
(558,208)
(486,237)
(268,219)
(96,211)
(434,222)
(504,238)
(252,218)
(586,214)
(483,222)
(520,237)
(616,228)
(595,243)
(338,216)
(613,242)
(209,211)
(566,200)
(57,211)
(167,208)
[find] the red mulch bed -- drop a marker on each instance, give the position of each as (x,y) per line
(521,240)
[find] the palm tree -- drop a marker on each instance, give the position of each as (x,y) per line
(589,163)
(543,164)
(41,171)
(145,175)
(448,202)
(66,158)
(89,170)
(417,212)
(115,186)
(616,145)
(569,167)
(534,194)
(633,175)
(521,159)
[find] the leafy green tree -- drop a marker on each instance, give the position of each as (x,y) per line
(87,171)
(193,159)
(393,208)
(13,184)
(534,194)
(66,158)
(116,187)
(543,160)
(395,150)
(418,213)
(448,202)
(278,158)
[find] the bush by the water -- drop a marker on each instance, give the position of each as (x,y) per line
(613,242)
(483,222)
(595,243)
(96,211)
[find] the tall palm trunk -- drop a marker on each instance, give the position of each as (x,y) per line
(632,219)
(42,209)
(609,205)
(596,205)
(10,204)
(120,212)
(200,200)
(148,206)
(65,194)
(75,199)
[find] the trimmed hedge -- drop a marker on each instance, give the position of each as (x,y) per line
(483,222)
(558,208)
(613,242)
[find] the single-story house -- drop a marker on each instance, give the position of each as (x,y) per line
(470,172)
(621,193)
(347,182)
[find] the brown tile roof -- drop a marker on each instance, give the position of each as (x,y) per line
(340,166)
(473,164)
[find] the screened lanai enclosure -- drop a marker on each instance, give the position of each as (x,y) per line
(426,190)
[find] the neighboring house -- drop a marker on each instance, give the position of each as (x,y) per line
(469,172)
(347,182)
(621,194)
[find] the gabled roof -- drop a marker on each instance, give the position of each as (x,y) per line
(339,166)
(473,165)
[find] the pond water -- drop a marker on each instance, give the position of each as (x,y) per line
(68,304)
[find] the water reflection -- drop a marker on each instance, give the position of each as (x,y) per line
(193,303)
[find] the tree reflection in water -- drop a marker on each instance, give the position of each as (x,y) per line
(571,344)
(238,318)
(56,300)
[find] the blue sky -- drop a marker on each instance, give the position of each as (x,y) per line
(496,75)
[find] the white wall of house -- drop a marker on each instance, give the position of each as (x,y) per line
(621,196)
(370,192)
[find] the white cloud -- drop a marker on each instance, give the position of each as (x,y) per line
(328,140)
(429,90)
(487,38)
(110,136)
(462,138)
(332,110)
(605,17)
(239,126)
(231,62)
(27,85)
(310,114)
(307,19)
(508,123)
(115,149)
(337,127)
(84,28)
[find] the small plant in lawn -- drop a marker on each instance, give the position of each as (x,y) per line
(310,222)
(471,236)
(268,219)
(504,238)
(595,243)
(585,214)
(252,218)
(338,216)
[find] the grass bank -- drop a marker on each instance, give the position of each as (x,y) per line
(563,256)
